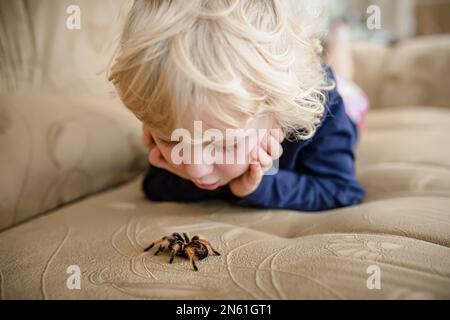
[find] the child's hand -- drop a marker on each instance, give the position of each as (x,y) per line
(263,156)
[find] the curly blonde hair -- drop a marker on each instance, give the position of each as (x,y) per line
(180,61)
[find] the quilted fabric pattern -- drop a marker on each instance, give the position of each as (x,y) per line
(403,227)
(57,148)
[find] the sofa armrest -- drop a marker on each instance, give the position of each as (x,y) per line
(417,73)
(57,148)
(414,72)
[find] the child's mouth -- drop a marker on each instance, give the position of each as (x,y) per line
(207,186)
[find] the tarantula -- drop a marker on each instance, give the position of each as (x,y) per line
(194,249)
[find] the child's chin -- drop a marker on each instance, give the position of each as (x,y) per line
(222,184)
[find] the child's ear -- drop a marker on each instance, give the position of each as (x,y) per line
(147,137)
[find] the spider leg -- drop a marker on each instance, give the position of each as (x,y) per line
(149,247)
(153,244)
(192,257)
(174,252)
(186,238)
(207,243)
(160,249)
(177,235)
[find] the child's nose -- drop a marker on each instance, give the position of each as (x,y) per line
(198,171)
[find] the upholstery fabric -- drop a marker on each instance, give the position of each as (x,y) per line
(65,142)
(38,50)
(402,227)
(57,148)
(417,73)
(411,72)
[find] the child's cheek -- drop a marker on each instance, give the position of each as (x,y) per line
(231,171)
(242,159)
(166,153)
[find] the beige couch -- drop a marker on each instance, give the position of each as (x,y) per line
(71,166)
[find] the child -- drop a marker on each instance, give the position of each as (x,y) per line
(339,56)
(237,64)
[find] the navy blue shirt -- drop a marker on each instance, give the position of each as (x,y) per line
(314,174)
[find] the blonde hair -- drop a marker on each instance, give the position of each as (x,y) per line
(179,61)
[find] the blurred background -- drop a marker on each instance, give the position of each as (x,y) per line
(37,48)
(400,19)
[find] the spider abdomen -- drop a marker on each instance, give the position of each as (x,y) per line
(198,249)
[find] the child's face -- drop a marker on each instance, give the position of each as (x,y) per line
(219,173)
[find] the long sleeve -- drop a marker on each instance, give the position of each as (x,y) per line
(323,175)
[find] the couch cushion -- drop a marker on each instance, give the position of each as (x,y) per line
(416,73)
(56,148)
(402,227)
(265,254)
(402,152)
(38,50)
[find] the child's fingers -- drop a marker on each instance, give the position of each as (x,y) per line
(260,156)
(254,176)
(248,182)
(265,160)
(271,143)
(265,141)
(277,133)
(274,148)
